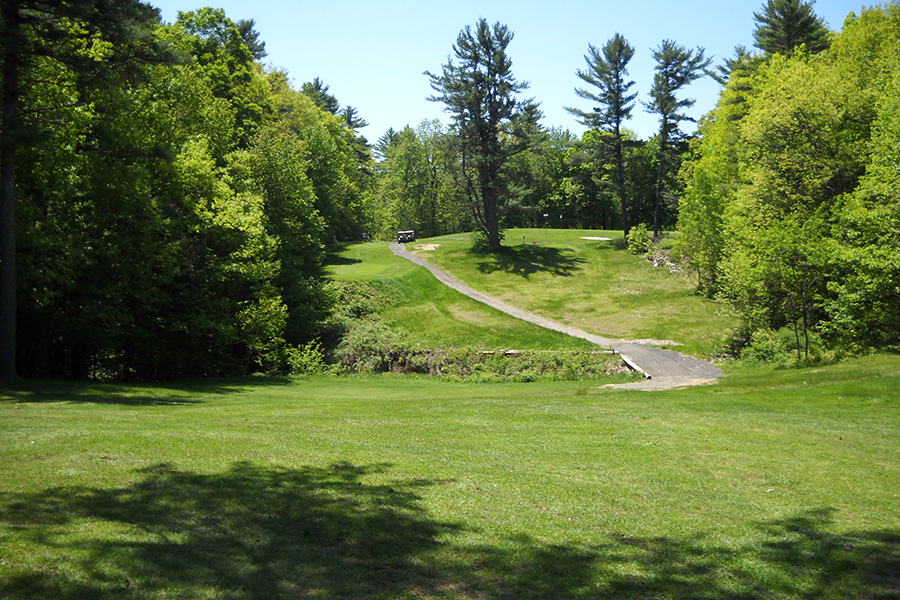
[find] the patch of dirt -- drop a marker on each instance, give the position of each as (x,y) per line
(427,247)
(660,384)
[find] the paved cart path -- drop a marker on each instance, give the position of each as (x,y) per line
(664,369)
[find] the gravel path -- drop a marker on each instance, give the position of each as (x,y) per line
(663,369)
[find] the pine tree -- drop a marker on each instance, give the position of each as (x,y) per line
(676,67)
(318,91)
(480,92)
(607,71)
(257,48)
(785,24)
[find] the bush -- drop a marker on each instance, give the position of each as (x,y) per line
(779,348)
(369,347)
(639,240)
(308,359)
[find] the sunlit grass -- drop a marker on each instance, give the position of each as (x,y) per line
(434,315)
(594,285)
(766,485)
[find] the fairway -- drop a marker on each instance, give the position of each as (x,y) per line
(585,279)
(767,485)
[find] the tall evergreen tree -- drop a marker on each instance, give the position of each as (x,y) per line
(492,124)
(384,143)
(785,24)
(608,72)
(247,29)
(676,67)
(352,118)
(318,91)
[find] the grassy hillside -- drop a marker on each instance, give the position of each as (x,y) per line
(592,284)
(766,485)
(432,314)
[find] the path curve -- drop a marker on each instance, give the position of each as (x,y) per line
(663,369)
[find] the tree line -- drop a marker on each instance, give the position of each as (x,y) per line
(791,209)
(785,201)
(166,201)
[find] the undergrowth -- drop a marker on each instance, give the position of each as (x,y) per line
(356,340)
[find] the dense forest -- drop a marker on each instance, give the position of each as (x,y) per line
(167,201)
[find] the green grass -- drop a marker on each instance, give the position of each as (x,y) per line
(594,285)
(767,485)
(434,315)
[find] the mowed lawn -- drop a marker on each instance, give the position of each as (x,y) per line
(579,278)
(769,484)
(433,315)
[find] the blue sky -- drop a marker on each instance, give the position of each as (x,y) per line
(373,54)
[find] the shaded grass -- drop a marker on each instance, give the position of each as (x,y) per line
(597,286)
(767,485)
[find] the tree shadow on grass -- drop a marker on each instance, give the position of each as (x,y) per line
(526,260)
(333,256)
(261,532)
(158,394)
(251,532)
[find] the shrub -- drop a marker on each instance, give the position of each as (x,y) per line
(369,347)
(639,240)
(308,359)
(779,348)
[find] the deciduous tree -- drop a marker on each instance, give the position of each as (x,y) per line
(32,29)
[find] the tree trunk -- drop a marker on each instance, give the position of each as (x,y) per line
(620,182)
(660,183)
(491,220)
(8,133)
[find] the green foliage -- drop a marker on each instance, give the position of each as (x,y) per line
(607,71)
(783,25)
(778,349)
(370,346)
(676,67)
(174,222)
(307,359)
(639,240)
(700,215)
(790,209)
(415,185)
